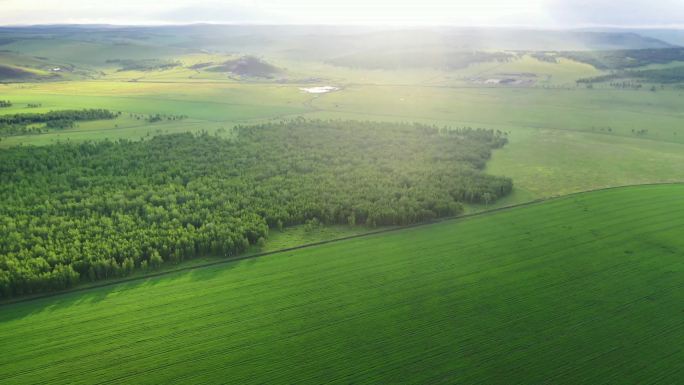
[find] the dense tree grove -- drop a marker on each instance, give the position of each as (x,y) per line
(5,103)
(26,123)
(90,211)
(161,117)
(661,76)
(144,64)
(623,59)
(250,66)
(425,58)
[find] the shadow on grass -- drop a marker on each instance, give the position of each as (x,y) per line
(98,294)
(209,270)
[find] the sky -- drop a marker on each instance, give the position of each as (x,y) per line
(537,13)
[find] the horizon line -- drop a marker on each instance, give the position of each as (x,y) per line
(374,25)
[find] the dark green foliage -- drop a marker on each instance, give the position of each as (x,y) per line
(620,79)
(154,118)
(250,66)
(101,208)
(143,65)
(200,66)
(14,73)
(5,103)
(13,124)
(599,79)
(623,59)
(75,115)
(160,117)
(549,57)
(59,124)
(419,59)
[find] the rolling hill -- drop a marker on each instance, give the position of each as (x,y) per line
(15,73)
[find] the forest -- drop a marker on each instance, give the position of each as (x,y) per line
(27,123)
(672,75)
(424,58)
(143,65)
(623,59)
(96,210)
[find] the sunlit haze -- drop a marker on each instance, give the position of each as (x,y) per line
(535,13)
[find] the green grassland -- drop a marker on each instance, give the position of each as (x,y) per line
(557,109)
(563,138)
(210,107)
(547,74)
(559,138)
(584,289)
(547,163)
(294,236)
(89,54)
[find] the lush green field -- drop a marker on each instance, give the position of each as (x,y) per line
(563,138)
(210,107)
(585,289)
(594,111)
(547,163)
(559,138)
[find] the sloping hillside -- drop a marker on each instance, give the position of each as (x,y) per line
(15,73)
(249,66)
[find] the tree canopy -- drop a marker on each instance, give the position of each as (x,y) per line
(26,123)
(74,212)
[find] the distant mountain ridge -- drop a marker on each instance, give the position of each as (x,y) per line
(230,37)
(90,47)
